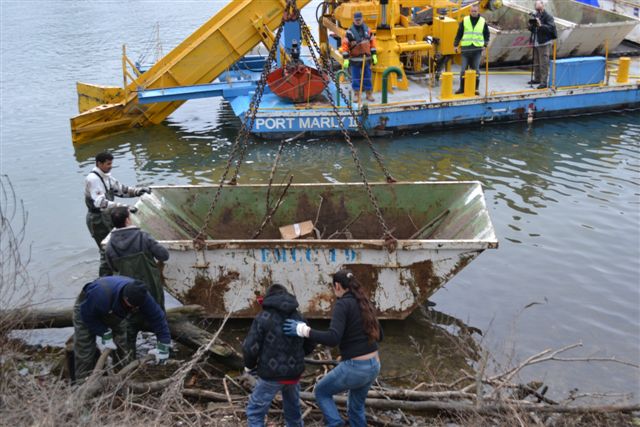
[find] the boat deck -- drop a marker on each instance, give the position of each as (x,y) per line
(422,91)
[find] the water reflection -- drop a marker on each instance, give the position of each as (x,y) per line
(429,346)
(528,169)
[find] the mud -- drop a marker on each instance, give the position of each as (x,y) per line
(209,292)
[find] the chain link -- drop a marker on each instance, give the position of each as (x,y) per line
(307,32)
(242,138)
(320,66)
(241,141)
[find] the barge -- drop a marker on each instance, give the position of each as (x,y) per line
(413,59)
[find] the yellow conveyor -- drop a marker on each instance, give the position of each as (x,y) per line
(199,59)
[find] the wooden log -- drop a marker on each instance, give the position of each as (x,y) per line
(194,337)
(401,394)
(182,330)
(485,409)
(210,395)
(63,318)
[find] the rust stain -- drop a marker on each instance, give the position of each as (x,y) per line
(367,275)
(462,263)
(209,292)
(320,306)
(227,215)
(425,281)
(520,112)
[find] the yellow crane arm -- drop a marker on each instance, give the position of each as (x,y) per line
(199,59)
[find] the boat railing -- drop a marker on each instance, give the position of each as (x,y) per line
(606,72)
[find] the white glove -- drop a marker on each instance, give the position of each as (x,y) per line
(161,352)
(106,341)
(294,328)
(303,330)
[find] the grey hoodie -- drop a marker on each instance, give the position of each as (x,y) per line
(131,240)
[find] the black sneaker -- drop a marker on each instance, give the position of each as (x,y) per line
(542,86)
(533,82)
(459,91)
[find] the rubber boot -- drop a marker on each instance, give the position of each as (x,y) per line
(477,85)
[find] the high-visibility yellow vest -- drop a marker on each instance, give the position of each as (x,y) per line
(473,36)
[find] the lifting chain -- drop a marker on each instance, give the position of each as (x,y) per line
(311,41)
(241,141)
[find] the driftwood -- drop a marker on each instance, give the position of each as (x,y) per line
(485,409)
(194,337)
(432,405)
(179,318)
(63,317)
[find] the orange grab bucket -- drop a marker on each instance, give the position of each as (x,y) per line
(297,83)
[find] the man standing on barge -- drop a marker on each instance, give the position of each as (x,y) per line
(358,49)
(473,37)
(543,33)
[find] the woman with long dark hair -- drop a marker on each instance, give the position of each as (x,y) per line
(355,329)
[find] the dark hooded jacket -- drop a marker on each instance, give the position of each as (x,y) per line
(131,240)
(276,356)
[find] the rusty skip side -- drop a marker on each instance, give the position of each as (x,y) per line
(450,221)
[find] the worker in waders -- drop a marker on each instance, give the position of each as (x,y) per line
(133,253)
(100,320)
(473,37)
(99,194)
(358,50)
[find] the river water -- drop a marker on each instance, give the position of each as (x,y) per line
(564,195)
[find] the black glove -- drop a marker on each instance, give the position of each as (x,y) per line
(248,379)
(133,209)
(142,190)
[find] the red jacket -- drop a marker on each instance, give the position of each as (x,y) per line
(358,41)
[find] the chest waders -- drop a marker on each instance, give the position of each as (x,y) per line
(99,224)
(140,266)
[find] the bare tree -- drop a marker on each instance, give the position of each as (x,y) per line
(16,285)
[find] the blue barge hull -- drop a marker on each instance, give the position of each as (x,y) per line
(280,121)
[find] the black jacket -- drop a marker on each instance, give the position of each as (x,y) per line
(346,330)
(131,240)
(277,356)
(547,29)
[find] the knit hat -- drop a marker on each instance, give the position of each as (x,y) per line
(357,15)
(135,293)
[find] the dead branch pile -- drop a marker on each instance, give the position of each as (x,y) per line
(210,395)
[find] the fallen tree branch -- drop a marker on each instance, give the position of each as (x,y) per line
(63,318)
(210,395)
(485,409)
(182,330)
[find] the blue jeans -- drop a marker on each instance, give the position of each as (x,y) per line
(262,396)
(356,72)
(355,376)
